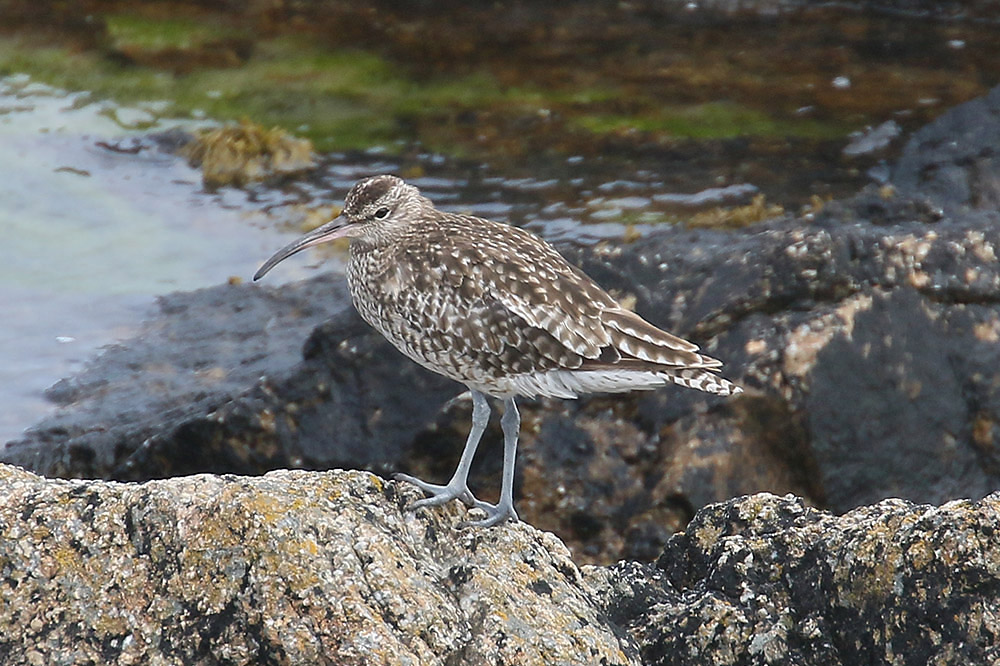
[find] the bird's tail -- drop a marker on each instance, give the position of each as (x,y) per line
(702,380)
(611,379)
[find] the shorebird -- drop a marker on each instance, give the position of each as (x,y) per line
(498,309)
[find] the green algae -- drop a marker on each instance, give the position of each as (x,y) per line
(470,84)
(711,120)
(163,33)
(346,98)
(338,100)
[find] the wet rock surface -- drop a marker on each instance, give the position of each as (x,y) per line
(301,567)
(865,334)
(856,331)
(767,580)
(242,380)
(953,162)
(289,568)
(866,337)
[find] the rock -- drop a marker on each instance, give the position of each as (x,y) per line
(873,139)
(868,337)
(300,567)
(200,350)
(953,162)
(291,568)
(767,580)
(220,381)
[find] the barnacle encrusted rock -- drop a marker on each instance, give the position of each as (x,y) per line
(766,580)
(288,568)
(302,567)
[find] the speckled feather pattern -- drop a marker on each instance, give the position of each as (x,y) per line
(498,309)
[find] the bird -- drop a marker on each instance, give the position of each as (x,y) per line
(498,309)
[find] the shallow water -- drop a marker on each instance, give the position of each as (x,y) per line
(92,235)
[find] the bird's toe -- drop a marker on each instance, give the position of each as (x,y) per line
(496,514)
(438,494)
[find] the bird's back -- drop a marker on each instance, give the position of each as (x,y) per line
(498,309)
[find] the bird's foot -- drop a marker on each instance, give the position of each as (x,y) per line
(496,514)
(439,494)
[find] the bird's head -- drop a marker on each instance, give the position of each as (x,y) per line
(373,209)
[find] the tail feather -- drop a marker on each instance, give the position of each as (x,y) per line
(702,380)
(611,379)
(636,337)
(632,355)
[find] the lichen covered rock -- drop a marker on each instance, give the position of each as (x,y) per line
(288,568)
(766,580)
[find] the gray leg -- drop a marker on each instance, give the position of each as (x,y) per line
(458,487)
(504,509)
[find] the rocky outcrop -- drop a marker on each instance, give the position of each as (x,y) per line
(241,380)
(954,162)
(871,347)
(329,568)
(767,580)
(288,568)
(866,336)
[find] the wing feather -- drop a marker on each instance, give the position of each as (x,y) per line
(542,305)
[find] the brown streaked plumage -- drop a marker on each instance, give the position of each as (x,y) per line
(497,309)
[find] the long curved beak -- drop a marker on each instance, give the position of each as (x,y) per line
(335,228)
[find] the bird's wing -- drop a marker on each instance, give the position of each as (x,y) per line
(545,291)
(636,338)
(533,281)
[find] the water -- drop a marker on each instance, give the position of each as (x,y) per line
(91,235)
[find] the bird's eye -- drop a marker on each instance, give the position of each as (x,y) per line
(381,213)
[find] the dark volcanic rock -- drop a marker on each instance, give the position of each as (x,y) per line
(876,337)
(767,580)
(220,381)
(955,161)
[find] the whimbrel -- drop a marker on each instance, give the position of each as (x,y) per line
(498,309)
